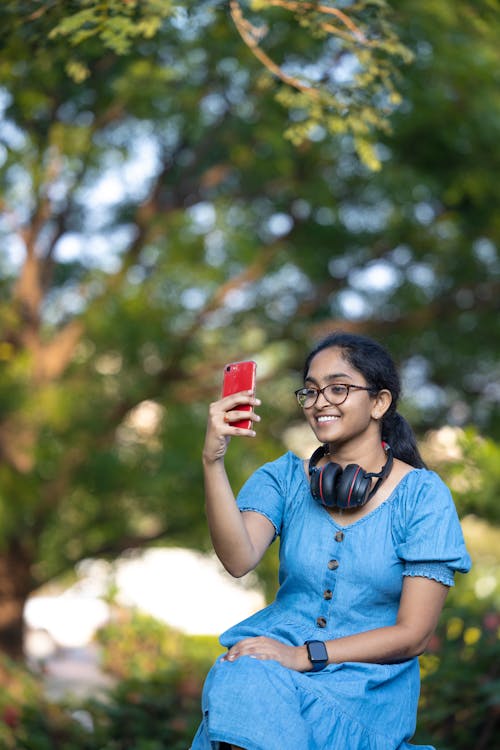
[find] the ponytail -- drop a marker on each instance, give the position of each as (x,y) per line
(399,435)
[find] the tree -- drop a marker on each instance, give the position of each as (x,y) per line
(103,349)
(340,75)
(156,224)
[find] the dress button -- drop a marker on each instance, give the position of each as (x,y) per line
(333,564)
(339,536)
(327,594)
(321,622)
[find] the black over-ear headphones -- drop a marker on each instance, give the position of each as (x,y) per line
(334,487)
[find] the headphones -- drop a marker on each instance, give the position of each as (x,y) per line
(334,487)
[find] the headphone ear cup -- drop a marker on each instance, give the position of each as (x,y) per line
(324,482)
(314,478)
(352,487)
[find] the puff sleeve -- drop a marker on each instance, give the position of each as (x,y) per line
(266,490)
(427,531)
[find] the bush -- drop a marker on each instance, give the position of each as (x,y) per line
(28,721)
(156,704)
(154,714)
(138,646)
(460,699)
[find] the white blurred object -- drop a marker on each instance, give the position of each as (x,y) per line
(185,589)
(38,644)
(70,619)
(188,590)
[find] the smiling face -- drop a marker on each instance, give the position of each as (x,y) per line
(357,418)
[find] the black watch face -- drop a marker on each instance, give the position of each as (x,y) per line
(317,651)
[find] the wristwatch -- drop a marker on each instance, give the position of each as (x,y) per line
(318,655)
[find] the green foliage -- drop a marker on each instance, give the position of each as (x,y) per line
(30,722)
(162,712)
(352,54)
(156,703)
(138,647)
(343,80)
(116,23)
(169,227)
(460,699)
(470,465)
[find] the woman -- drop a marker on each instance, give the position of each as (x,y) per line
(369,544)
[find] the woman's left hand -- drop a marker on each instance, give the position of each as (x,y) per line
(261,647)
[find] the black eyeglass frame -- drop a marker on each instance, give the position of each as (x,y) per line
(347,386)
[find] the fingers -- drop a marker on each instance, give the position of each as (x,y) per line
(227,411)
(226,420)
(234,417)
(269,649)
(258,648)
(238,399)
(248,647)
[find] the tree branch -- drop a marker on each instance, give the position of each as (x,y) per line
(251,36)
(297,7)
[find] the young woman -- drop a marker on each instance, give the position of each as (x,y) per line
(369,544)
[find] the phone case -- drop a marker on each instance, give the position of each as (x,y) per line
(240,376)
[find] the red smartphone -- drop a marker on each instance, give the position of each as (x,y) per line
(240,376)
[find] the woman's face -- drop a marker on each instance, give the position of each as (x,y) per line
(349,420)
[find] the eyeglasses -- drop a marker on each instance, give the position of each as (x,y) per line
(335,394)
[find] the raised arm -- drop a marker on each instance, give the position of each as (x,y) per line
(239,539)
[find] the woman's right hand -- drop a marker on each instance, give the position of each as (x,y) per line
(219,428)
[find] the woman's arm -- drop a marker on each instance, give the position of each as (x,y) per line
(239,539)
(422,600)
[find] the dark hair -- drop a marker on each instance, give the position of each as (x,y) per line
(375,363)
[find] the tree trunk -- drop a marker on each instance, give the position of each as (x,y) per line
(16,584)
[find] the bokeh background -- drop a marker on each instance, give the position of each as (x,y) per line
(186,184)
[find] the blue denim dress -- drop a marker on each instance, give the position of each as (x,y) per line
(335,581)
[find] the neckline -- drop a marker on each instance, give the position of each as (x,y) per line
(370,514)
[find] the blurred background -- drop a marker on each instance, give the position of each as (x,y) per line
(187,184)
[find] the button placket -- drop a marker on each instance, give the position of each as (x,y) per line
(332,565)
